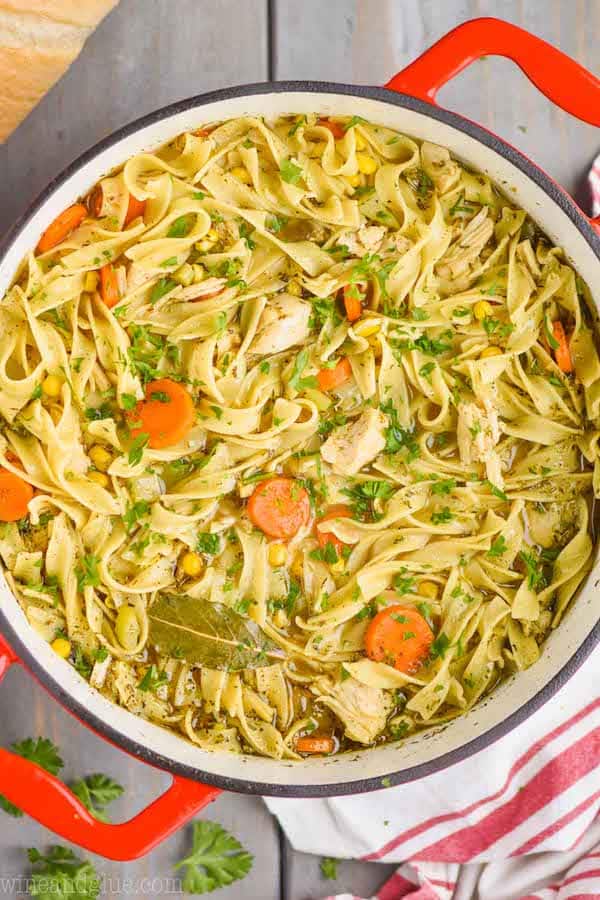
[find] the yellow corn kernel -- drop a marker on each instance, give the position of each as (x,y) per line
(338,567)
(490,351)
(100,457)
(241,174)
(366,164)
(482,309)
(428,589)
(100,478)
(294,288)
(192,564)
(62,647)
(367,328)
(361,144)
(184,275)
(127,628)
(321,400)
(277,554)
(297,568)
(199,273)
(90,282)
(354,180)
(52,386)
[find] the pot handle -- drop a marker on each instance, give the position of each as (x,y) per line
(555,74)
(49,801)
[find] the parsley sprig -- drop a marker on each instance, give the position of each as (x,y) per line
(216,860)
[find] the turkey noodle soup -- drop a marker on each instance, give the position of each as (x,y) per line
(300,426)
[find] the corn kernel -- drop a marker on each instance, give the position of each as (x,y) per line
(277,554)
(366,164)
(361,144)
(367,328)
(192,564)
(490,351)
(241,174)
(127,628)
(294,288)
(482,309)
(62,647)
(99,478)
(52,386)
(321,400)
(184,275)
(100,457)
(338,567)
(297,568)
(354,180)
(199,273)
(90,282)
(428,589)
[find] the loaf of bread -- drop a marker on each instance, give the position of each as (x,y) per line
(39,39)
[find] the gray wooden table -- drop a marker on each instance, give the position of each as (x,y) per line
(151,52)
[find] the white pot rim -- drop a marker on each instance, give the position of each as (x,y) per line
(252,774)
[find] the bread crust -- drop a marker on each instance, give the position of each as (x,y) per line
(39,39)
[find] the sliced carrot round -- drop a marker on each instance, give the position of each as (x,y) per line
(315,744)
(335,128)
(166,415)
(354,294)
(15,495)
(562,353)
(62,226)
(400,637)
(338,511)
(279,506)
(109,286)
(329,379)
(135,208)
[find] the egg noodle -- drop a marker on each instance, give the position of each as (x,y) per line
(310,414)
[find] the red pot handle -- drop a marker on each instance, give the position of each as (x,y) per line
(556,75)
(49,801)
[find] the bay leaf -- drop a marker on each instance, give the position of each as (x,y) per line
(207,634)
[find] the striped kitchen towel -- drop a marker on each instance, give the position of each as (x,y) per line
(534,792)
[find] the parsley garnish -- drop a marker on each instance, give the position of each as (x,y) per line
(217,859)
(295,380)
(96,792)
(396,437)
(439,646)
(87,572)
(179,228)
(363,496)
(442,517)
(328,867)
(498,547)
(62,874)
(290,172)
(163,285)
(208,543)
(153,679)
(37,750)
(137,449)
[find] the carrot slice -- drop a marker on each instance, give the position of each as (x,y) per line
(352,302)
(279,507)
(62,226)
(329,379)
(315,744)
(562,353)
(15,495)
(109,286)
(166,415)
(135,209)
(400,637)
(335,128)
(338,511)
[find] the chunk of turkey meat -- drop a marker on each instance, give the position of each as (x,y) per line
(283,323)
(438,164)
(477,433)
(466,249)
(352,446)
(367,239)
(363,710)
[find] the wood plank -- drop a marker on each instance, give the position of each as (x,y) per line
(144,55)
(361,42)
